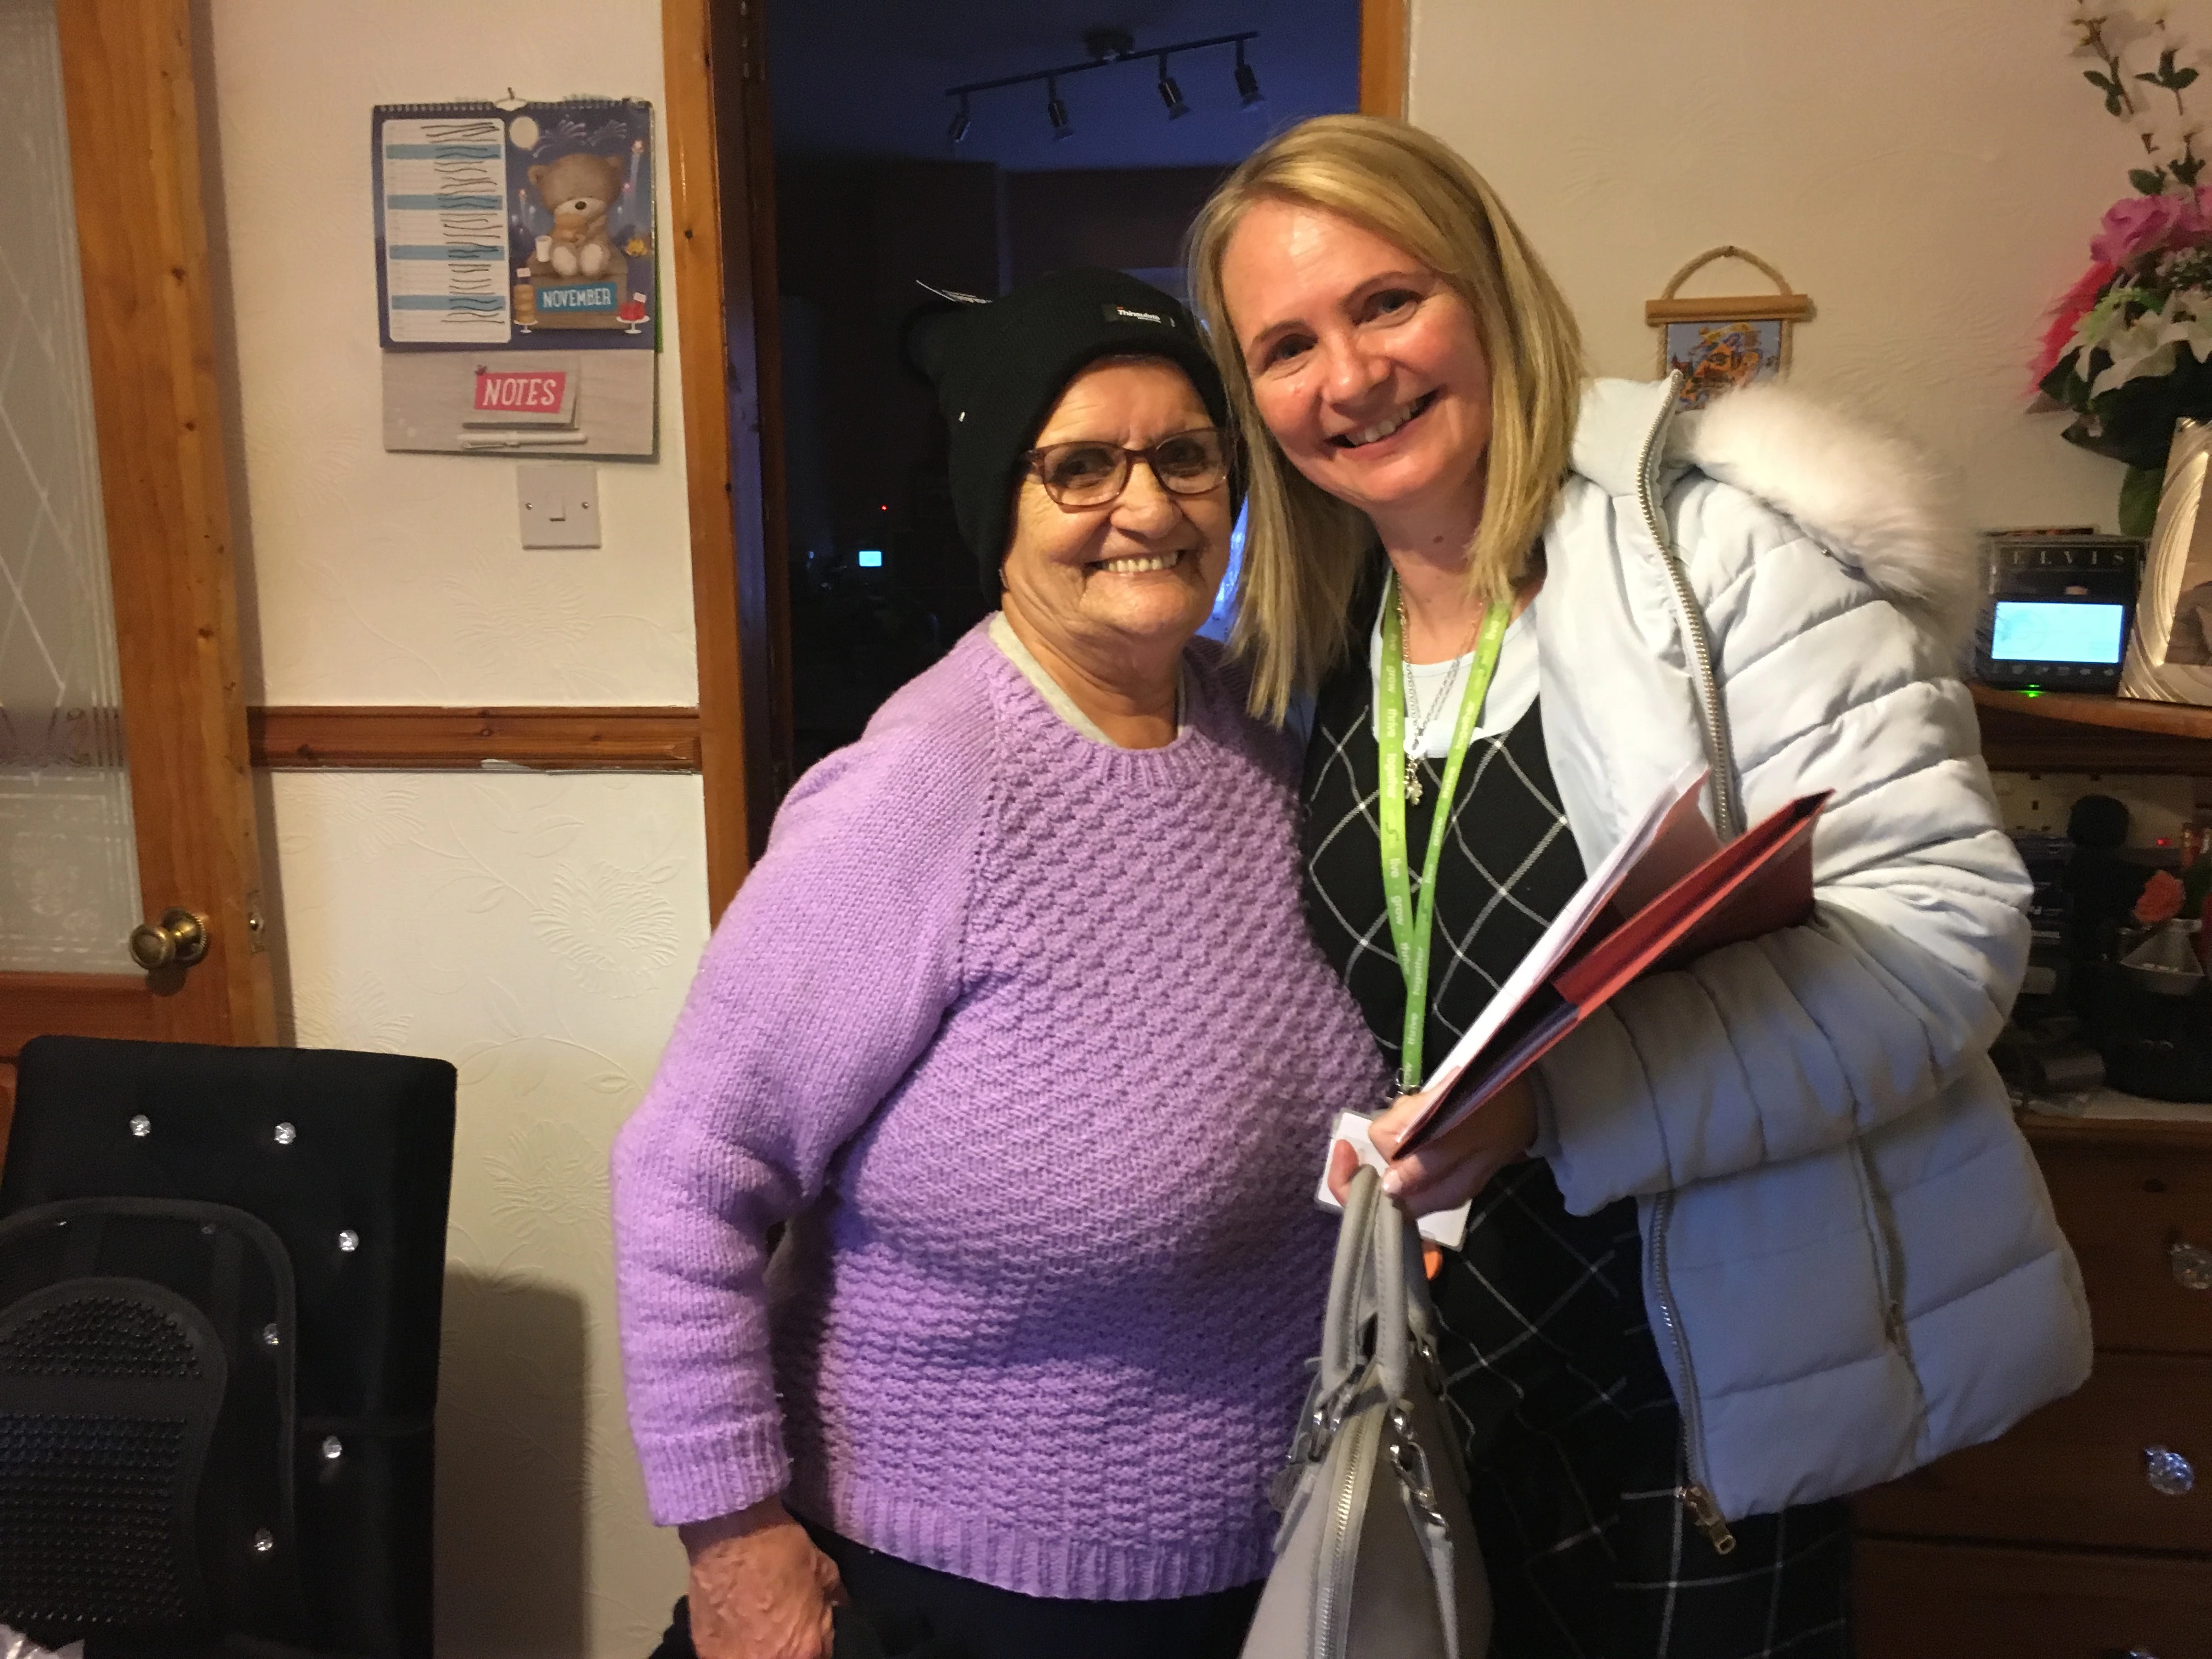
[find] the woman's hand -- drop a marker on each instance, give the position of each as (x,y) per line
(1454,1166)
(759,1588)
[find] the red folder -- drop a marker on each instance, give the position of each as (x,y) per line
(1669,893)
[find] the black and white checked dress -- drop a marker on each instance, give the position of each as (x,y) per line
(1573,1438)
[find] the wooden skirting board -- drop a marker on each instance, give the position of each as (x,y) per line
(404,738)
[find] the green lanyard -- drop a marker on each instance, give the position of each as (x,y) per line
(1410,928)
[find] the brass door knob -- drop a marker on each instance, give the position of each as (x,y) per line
(179,938)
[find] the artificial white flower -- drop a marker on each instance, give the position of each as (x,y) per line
(2189,323)
(2140,350)
(2145,122)
(2100,325)
(2120,28)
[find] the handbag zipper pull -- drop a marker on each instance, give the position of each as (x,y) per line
(1707,1514)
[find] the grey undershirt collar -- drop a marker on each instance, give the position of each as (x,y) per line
(1011,647)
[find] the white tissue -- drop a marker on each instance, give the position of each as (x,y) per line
(1444,1227)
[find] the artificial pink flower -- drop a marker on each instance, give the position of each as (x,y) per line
(2193,224)
(2137,225)
(2072,306)
(2162,899)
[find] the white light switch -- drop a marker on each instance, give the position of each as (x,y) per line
(560,503)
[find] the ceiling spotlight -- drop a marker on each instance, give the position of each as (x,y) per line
(958,130)
(1055,112)
(1248,95)
(1170,94)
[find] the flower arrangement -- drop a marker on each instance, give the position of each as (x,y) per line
(2129,347)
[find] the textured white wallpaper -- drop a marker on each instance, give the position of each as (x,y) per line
(1929,171)
(382,578)
(539,932)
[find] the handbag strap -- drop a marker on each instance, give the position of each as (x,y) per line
(1370,1275)
(1393,1344)
(1339,1335)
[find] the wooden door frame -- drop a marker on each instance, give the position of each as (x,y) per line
(1386,44)
(132,114)
(721,171)
(722,205)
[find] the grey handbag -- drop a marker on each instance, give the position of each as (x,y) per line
(1377,1557)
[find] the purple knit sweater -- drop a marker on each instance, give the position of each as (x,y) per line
(1024,1036)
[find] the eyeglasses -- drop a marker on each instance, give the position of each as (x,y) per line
(1089,473)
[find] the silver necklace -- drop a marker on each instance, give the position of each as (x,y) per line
(1417,735)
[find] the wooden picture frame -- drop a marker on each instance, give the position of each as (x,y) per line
(1725,340)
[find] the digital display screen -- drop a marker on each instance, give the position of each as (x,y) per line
(2028,630)
(870,558)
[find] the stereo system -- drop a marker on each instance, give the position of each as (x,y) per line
(2057,609)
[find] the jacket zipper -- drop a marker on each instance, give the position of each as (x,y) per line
(1697,1498)
(1875,1205)
(1728,811)
(1728,816)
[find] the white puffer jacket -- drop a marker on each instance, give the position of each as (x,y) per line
(1850,1262)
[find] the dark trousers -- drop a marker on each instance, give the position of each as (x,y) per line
(902,1611)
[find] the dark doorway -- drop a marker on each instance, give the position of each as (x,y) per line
(874,195)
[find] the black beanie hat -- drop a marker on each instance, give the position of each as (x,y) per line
(999,366)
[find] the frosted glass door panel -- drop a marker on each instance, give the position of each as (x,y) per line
(69,861)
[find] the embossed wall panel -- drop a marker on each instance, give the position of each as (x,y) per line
(540,931)
(383,578)
(1931,174)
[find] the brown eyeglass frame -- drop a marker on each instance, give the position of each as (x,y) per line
(1034,460)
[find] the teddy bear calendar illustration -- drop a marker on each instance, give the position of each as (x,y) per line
(511,237)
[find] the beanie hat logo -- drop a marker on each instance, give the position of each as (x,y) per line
(1124,314)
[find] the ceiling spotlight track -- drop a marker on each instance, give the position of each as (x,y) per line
(1109,48)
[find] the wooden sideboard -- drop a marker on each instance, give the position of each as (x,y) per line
(2086,1532)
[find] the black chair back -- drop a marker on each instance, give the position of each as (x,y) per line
(273,1217)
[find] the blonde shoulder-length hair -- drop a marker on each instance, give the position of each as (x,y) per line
(1304,549)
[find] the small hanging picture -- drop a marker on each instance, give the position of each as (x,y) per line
(1725,341)
(519,305)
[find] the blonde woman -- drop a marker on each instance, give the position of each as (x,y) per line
(1763,1231)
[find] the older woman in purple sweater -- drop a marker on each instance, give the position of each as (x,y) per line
(1018,1371)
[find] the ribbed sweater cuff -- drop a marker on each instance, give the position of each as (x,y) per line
(1028,1560)
(715,1472)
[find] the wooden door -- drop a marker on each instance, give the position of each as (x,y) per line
(123,734)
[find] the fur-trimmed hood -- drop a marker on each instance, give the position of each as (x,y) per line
(1875,498)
